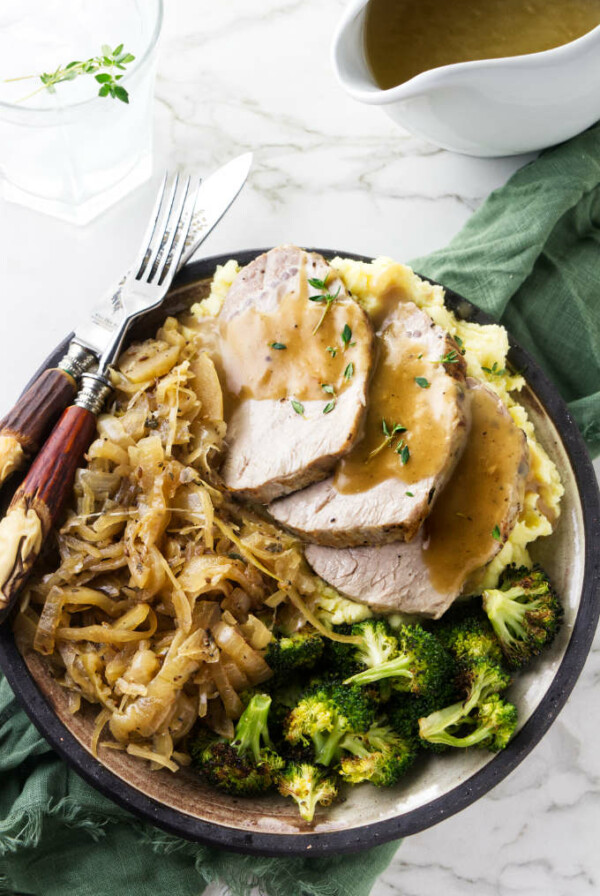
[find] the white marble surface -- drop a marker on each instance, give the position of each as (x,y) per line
(255,74)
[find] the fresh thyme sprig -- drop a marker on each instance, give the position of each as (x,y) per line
(450,357)
(109,86)
(389,436)
(325,297)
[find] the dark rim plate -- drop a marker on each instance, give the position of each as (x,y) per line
(347,841)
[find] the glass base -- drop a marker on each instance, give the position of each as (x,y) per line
(84,212)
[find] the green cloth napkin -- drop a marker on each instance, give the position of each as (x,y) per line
(531,257)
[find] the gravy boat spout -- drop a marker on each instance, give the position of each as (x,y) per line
(488,107)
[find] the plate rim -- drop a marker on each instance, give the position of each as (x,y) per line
(459,797)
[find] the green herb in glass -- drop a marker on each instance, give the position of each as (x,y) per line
(109,86)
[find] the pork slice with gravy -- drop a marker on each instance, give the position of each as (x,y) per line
(296,356)
(416,428)
(467,527)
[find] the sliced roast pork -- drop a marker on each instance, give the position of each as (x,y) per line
(296,359)
(467,527)
(416,428)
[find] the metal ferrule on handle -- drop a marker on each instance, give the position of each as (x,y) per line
(77,360)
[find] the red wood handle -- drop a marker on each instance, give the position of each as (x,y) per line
(42,494)
(34,414)
(50,479)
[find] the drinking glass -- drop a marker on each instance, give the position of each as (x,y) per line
(72,153)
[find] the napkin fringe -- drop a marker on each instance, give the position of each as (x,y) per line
(23,830)
(245,875)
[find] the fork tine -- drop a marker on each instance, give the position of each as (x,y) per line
(185,227)
(159,233)
(170,233)
(150,229)
(179,236)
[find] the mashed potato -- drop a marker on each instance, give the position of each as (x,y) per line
(485,348)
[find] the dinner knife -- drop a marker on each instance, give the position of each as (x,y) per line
(24,428)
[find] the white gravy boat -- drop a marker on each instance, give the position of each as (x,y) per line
(492,107)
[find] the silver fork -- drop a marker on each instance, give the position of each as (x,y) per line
(38,502)
(151,275)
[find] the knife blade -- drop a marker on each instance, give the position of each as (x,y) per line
(215,195)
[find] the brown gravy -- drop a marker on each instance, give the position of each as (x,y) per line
(287,353)
(464,527)
(396,398)
(406,37)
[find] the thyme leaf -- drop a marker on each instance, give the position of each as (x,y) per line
(404,452)
(494,370)
(422,382)
(297,406)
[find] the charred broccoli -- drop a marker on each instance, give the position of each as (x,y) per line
(302,650)
(309,785)
(468,635)
(482,718)
(248,765)
(380,756)
(420,665)
(325,715)
(524,611)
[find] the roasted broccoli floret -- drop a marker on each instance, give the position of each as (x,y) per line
(248,765)
(404,712)
(524,611)
(471,721)
(377,645)
(380,756)
(421,665)
(287,653)
(324,715)
(468,635)
(490,725)
(309,785)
